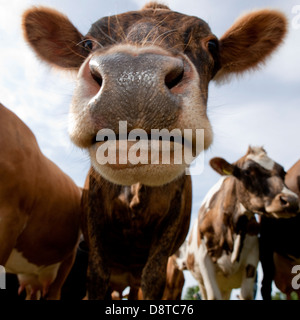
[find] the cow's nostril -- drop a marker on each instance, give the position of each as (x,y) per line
(95,71)
(283,201)
(174,77)
(97,77)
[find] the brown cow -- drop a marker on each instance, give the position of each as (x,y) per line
(279,246)
(223,249)
(142,72)
(39,212)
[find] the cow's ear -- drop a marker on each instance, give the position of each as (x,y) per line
(53,37)
(222,166)
(250,40)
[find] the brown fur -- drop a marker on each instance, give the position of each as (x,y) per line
(174,282)
(283,276)
(154,5)
(190,262)
(39,204)
(65,38)
(264,29)
(149,229)
(292,178)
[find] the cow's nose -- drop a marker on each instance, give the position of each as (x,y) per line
(138,87)
(289,202)
(139,73)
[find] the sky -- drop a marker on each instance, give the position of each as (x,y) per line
(259,108)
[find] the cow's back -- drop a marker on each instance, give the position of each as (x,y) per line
(18,161)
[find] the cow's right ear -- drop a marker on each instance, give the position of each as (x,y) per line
(53,37)
(222,166)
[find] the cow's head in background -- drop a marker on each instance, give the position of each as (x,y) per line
(260,184)
(150,68)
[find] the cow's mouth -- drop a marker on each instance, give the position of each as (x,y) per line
(150,159)
(150,137)
(121,152)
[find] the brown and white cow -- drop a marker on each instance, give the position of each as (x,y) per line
(279,246)
(223,248)
(39,212)
(149,69)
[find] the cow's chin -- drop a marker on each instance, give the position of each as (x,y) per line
(280,214)
(148,174)
(120,167)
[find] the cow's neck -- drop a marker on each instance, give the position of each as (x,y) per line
(135,198)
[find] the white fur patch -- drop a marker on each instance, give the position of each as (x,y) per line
(259,156)
(236,248)
(287,191)
(215,188)
(18,264)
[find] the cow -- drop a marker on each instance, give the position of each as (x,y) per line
(279,249)
(40,209)
(223,247)
(141,74)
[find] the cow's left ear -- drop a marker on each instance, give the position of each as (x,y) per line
(222,166)
(250,41)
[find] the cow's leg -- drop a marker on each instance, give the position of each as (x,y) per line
(133,293)
(266,283)
(202,290)
(267,263)
(54,290)
(153,279)
(207,269)
(11,224)
(249,274)
(154,275)
(226,294)
(98,278)
(266,249)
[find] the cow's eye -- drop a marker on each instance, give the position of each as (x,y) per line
(88,44)
(212,45)
(247,172)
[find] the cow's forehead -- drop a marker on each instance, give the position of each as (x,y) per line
(159,19)
(259,155)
